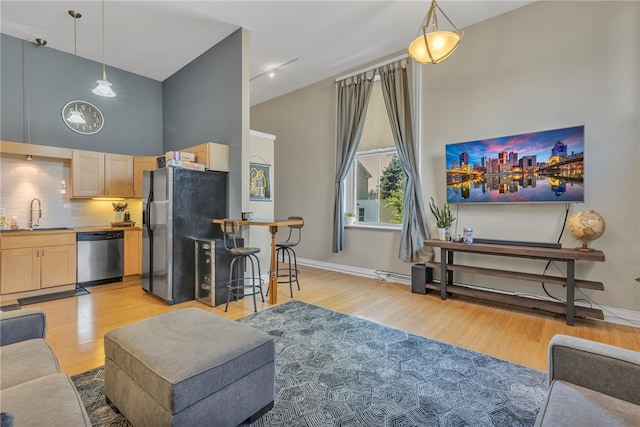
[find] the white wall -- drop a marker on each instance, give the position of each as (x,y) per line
(304,122)
(261,151)
(48,180)
(537,79)
(546,65)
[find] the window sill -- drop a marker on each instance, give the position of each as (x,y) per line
(375,227)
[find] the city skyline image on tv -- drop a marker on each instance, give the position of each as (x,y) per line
(544,166)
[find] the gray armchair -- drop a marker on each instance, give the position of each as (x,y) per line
(22,325)
(33,391)
(591,384)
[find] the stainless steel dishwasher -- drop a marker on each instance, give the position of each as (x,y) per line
(100,257)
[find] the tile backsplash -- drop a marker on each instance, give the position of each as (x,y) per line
(48,180)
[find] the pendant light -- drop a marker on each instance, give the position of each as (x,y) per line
(75,116)
(26,86)
(104,86)
(432,44)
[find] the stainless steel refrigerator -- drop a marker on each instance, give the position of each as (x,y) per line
(178,206)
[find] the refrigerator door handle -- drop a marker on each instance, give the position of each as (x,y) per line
(146,215)
(150,218)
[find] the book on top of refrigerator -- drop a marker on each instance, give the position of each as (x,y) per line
(185,164)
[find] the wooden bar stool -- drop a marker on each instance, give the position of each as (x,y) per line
(240,286)
(286,253)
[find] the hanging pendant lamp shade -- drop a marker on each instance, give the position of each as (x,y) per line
(75,116)
(431,44)
(104,86)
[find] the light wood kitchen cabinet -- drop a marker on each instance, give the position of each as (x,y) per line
(37,262)
(132,252)
(141,164)
(118,175)
(95,174)
(212,155)
(87,173)
(20,270)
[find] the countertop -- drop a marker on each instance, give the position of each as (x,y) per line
(62,230)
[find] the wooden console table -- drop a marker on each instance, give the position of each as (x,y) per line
(570,256)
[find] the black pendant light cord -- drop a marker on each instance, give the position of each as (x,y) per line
(104,72)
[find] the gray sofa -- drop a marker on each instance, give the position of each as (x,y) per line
(591,384)
(33,391)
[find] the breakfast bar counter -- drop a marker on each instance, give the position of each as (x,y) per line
(273,225)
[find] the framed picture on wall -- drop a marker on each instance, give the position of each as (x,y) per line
(259,182)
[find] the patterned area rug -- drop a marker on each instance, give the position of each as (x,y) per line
(338,370)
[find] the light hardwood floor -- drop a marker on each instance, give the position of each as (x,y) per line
(76,326)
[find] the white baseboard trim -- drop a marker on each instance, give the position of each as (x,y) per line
(621,316)
(611,315)
(347,269)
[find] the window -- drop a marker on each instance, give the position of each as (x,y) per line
(375,185)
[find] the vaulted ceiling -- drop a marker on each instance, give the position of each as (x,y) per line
(318,39)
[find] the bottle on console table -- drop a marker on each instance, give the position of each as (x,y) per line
(468,236)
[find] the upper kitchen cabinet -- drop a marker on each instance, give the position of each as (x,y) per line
(96,174)
(87,174)
(141,164)
(213,156)
(118,175)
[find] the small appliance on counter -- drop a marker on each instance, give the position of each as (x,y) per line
(123,223)
(126,223)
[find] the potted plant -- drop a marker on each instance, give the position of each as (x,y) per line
(349,218)
(119,209)
(444,219)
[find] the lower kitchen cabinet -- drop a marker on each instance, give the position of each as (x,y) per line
(132,252)
(20,270)
(37,262)
(58,265)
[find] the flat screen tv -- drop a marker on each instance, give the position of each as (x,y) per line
(546,166)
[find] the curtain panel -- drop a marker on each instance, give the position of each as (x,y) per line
(395,90)
(353,97)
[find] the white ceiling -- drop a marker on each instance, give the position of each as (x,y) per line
(157,38)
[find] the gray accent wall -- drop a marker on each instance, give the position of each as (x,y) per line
(506,77)
(204,102)
(51,78)
(207,100)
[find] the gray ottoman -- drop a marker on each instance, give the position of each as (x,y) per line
(189,368)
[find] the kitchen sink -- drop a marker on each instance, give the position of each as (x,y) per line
(37,229)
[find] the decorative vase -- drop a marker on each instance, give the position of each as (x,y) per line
(442,234)
(119,216)
(349,220)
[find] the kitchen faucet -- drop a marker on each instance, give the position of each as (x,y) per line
(35,223)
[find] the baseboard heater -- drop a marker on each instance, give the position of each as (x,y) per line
(517,243)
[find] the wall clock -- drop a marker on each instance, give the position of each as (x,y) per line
(82,117)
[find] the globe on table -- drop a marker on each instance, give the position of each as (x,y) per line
(586,226)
